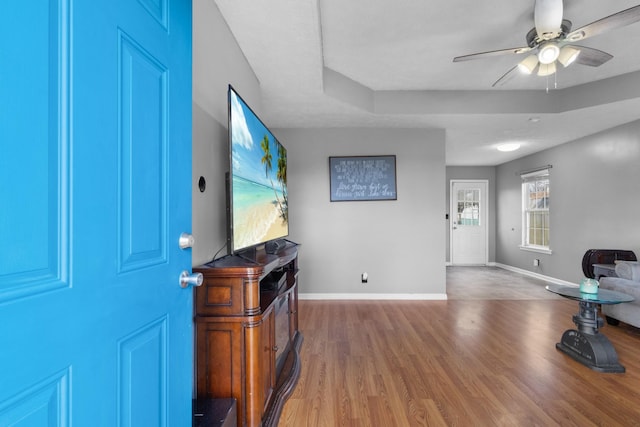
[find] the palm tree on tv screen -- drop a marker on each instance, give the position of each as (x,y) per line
(281,174)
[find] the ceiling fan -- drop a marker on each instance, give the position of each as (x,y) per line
(551,41)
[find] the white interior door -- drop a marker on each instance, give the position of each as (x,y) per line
(469,238)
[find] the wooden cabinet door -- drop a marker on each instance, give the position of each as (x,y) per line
(293,314)
(268,346)
(220,356)
(259,372)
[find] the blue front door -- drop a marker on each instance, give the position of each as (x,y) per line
(95,171)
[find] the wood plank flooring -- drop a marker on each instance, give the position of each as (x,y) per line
(461,362)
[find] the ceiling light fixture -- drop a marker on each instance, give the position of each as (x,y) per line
(528,64)
(511,146)
(548,53)
(568,54)
(547,69)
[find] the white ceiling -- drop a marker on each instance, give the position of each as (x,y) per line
(377,63)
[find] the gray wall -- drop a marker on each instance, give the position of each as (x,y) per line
(398,243)
(473,172)
(217,62)
(209,207)
(595,201)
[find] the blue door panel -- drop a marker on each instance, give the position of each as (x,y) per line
(143,157)
(33,128)
(142,371)
(43,404)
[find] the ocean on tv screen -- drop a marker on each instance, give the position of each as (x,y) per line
(257,216)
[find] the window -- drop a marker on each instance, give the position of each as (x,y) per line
(469,207)
(535,210)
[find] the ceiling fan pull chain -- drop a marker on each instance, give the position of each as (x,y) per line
(547,84)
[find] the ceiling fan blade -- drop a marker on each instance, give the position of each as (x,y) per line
(591,57)
(506,77)
(492,53)
(617,20)
(547,15)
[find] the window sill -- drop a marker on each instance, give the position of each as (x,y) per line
(535,249)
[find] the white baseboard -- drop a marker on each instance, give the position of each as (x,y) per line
(535,275)
(423,297)
(414,297)
(488,264)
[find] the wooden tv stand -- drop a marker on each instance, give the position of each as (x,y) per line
(247,338)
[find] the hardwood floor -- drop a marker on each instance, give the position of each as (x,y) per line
(460,362)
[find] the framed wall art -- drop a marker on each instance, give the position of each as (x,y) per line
(357,178)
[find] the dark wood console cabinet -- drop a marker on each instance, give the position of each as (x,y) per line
(247,338)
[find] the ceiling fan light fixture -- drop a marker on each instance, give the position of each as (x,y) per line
(547,69)
(568,54)
(549,52)
(510,146)
(528,64)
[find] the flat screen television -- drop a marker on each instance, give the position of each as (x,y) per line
(258,206)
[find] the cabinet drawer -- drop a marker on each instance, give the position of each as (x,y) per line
(230,296)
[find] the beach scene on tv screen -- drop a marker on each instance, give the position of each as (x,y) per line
(259,179)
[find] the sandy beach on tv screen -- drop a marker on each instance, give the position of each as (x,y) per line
(278,229)
(260,223)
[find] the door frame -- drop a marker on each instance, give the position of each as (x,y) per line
(484,210)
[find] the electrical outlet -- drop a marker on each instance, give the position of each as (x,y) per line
(365,277)
(536,262)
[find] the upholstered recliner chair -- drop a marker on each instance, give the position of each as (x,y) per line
(627,282)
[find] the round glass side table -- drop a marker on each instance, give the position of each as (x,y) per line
(586,344)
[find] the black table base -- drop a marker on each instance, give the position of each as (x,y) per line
(586,345)
(593,351)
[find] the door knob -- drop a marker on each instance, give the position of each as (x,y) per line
(186,240)
(187,279)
